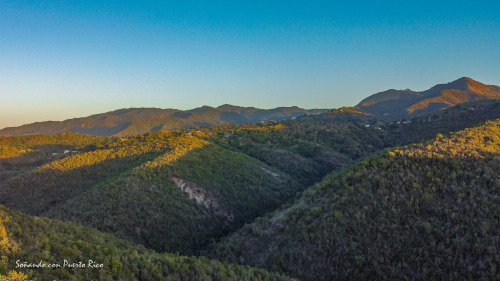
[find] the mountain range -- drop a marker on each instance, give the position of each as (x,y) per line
(391,104)
(132,121)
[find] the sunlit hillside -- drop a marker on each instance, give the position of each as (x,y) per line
(169,191)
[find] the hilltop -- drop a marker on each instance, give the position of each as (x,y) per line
(391,104)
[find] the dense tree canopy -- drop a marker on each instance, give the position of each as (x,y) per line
(427,211)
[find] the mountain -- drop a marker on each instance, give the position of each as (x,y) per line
(427,211)
(135,121)
(404,103)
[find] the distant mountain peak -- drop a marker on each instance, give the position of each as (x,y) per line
(463,83)
(391,94)
(401,103)
(227,106)
(459,84)
(466,79)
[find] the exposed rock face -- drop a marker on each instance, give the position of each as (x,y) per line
(204,198)
(196,193)
(275,176)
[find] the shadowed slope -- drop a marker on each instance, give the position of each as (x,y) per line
(33,240)
(38,190)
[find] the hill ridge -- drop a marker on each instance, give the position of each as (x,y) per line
(138,120)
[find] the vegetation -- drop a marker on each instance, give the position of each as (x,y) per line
(310,147)
(427,211)
(8,248)
(181,191)
(222,190)
(167,190)
(37,190)
(15,146)
(28,240)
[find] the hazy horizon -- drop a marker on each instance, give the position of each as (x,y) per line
(62,60)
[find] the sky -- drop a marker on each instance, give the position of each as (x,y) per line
(66,59)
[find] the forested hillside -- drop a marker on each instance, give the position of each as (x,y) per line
(15,146)
(29,240)
(427,211)
(181,191)
(312,146)
(249,140)
(168,191)
(181,200)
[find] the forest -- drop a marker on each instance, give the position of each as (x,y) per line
(428,210)
(336,196)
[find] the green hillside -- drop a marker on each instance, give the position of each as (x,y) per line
(182,200)
(28,240)
(427,211)
(67,175)
(16,146)
(168,191)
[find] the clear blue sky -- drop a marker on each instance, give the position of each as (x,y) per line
(63,59)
